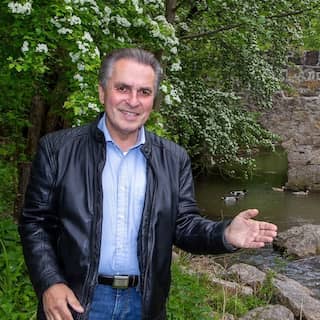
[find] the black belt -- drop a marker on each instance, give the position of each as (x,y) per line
(119,282)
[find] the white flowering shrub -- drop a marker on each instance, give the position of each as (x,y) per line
(58,46)
(216,130)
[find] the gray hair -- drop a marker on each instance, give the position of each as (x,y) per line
(135,54)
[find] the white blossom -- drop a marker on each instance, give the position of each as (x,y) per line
(164,88)
(122,21)
(19,8)
(167,99)
(106,31)
(121,39)
(138,23)
(96,52)
(93,106)
(64,30)
(87,36)
(41,47)
(55,22)
(80,66)
(83,85)
(176,66)
(25,46)
(83,46)
(74,56)
(74,20)
(78,77)
(122,1)
(174,50)
(136,6)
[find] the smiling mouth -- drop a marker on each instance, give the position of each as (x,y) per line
(129,113)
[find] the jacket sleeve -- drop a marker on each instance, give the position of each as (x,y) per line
(39,224)
(194,233)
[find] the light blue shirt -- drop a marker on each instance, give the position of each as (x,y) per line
(124,186)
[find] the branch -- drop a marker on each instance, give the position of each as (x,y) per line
(234,26)
(209,33)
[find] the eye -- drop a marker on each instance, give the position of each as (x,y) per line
(145,92)
(122,88)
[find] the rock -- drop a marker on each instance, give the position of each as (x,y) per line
(270,312)
(297,298)
(233,287)
(224,317)
(247,274)
(302,241)
(207,264)
(287,292)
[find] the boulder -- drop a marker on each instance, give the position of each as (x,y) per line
(287,292)
(233,287)
(297,298)
(247,274)
(270,312)
(302,241)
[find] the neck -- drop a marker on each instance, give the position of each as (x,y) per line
(123,140)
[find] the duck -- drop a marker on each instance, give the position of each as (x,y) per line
(238,193)
(230,200)
(278,189)
(301,193)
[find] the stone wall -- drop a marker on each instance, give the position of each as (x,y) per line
(295,116)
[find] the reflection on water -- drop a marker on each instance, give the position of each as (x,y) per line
(282,208)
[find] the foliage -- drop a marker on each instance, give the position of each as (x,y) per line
(57,46)
(52,51)
(241,46)
(7,187)
(17,299)
(312,33)
(216,130)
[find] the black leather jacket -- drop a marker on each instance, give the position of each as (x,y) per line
(60,225)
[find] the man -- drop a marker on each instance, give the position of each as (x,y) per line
(106,202)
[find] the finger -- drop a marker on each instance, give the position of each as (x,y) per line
(248,214)
(268,233)
(267,226)
(53,316)
(74,303)
(64,314)
(256,245)
(265,239)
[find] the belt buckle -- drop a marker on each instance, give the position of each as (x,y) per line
(120,282)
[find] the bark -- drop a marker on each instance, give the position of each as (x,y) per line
(36,119)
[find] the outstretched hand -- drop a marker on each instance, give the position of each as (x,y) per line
(244,232)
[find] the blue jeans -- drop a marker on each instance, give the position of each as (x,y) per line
(115,304)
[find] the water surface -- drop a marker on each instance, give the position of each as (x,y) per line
(282,208)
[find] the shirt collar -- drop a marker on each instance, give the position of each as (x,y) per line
(103,127)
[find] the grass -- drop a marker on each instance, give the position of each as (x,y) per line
(17,299)
(194,296)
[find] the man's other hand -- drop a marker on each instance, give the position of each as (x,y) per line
(57,301)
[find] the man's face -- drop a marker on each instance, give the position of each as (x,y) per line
(128,98)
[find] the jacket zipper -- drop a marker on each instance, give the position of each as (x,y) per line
(96,243)
(144,275)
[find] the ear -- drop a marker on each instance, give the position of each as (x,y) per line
(101,94)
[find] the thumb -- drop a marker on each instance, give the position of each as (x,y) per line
(248,214)
(74,303)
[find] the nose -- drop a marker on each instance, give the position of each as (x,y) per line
(133,99)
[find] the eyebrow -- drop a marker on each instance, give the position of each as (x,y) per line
(118,84)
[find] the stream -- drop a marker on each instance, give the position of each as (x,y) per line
(281,208)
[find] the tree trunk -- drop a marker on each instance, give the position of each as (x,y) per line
(36,119)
